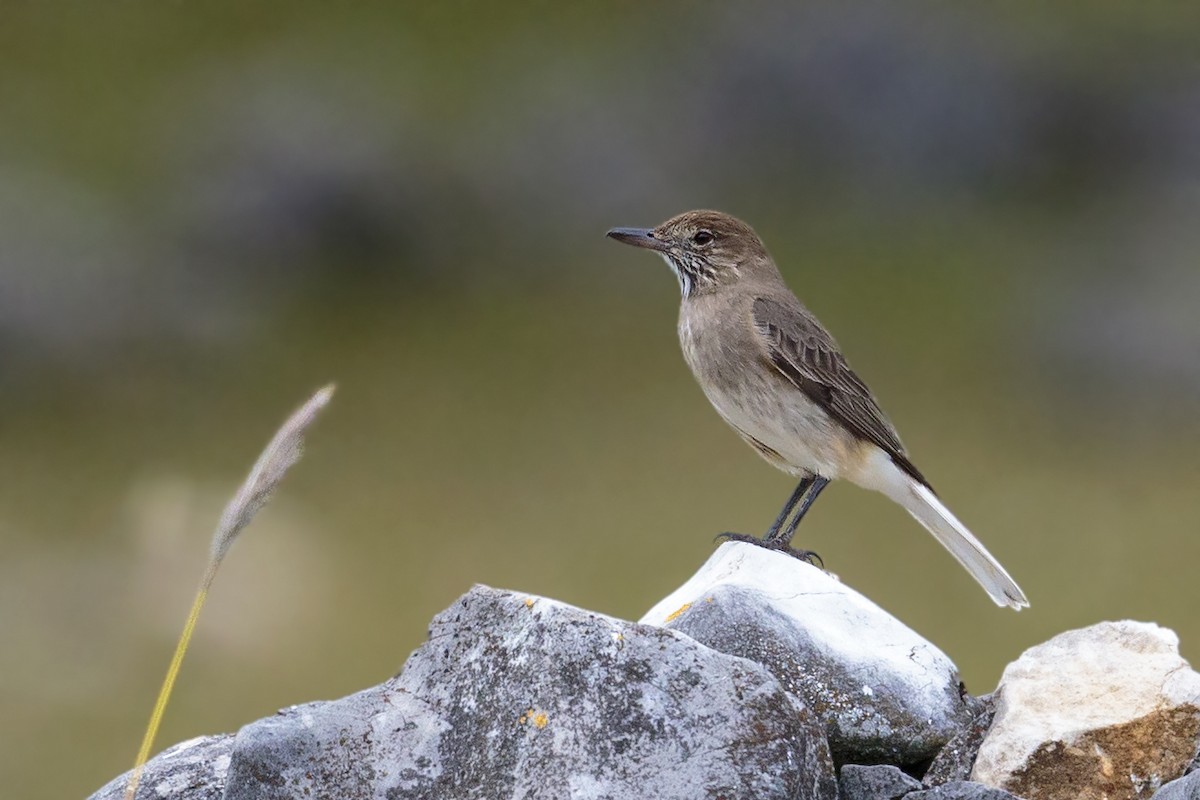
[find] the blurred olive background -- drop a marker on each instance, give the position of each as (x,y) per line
(209,210)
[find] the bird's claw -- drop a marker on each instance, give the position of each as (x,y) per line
(807,556)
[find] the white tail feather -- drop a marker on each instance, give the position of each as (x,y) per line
(970,552)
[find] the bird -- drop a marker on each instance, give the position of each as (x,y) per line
(779,379)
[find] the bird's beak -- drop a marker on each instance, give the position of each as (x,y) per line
(639,237)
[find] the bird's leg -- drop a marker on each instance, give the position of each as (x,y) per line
(773,531)
(785,539)
(773,539)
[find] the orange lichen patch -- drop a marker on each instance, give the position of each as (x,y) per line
(538,718)
(674,614)
(529,602)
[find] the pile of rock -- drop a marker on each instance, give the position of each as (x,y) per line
(760,678)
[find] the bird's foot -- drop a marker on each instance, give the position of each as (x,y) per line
(777,545)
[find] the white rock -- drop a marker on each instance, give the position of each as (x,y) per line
(1111,711)
(884,693)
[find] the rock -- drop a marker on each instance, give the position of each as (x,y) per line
(517,696)
(961,790)
(877,782)
(955,761)
(1186,788)
(1111,711)
(525,697)
(885,694)
(191,770)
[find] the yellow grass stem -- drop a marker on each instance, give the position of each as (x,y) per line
(164,694)
(281,453)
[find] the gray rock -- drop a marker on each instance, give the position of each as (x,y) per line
(886,695)
(517,696)
(877,782)
(526,697)
(191,770)
(1186,788)
(961,790)
(955,761)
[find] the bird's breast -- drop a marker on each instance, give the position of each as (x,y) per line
(724,352)
(715,346)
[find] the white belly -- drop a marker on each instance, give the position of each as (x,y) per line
(800,437)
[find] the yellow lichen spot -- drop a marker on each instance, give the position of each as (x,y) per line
(521,720)
(540,719)
(529,602)
(674,614)
(708,599)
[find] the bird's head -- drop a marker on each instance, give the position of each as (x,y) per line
(705,249)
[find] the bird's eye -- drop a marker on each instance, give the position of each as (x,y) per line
(702,237)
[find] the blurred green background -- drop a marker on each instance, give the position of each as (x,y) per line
(209,210)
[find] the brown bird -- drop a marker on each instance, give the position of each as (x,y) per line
(777,377)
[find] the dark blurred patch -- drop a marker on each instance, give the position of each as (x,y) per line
(276,177)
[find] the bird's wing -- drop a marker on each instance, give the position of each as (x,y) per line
(804,352)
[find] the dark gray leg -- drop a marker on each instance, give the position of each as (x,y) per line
(774,539)
(784,540)
(773,531)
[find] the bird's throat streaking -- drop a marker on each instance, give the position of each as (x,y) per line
(686,284)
